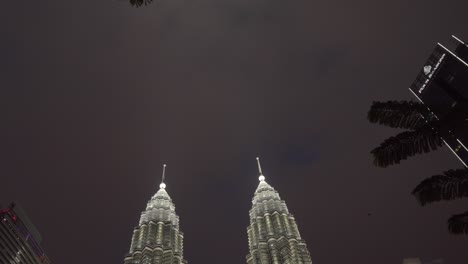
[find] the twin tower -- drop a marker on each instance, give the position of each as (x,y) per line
(273,234)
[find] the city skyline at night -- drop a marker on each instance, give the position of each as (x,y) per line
(98,95)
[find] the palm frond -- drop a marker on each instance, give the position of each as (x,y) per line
(406,144)
(453,184)
(458,224)
(139,3)
(396,114)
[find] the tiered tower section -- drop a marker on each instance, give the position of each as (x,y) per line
(157,239)
(273,234)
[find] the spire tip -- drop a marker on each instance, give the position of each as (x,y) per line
(163,185)
(261,177)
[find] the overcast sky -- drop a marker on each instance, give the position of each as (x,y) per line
(97,95)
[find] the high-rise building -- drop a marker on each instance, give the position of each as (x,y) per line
(157,239)
(273,234)
(19,239)
(441,85)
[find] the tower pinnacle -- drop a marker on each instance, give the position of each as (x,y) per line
(261,177)
(163,185)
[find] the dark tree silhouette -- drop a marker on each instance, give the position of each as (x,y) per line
(458,224)
(425,129)
(424,135)
(453,184)
(397,114)
(406,144)
(139,3)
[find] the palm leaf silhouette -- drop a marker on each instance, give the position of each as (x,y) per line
(406,144)
(458,224)
(396,114)
(453,184)
(139,3)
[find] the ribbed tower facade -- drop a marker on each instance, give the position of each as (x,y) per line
(273,234)
(157,239)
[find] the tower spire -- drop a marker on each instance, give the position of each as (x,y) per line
(261,177)
(163,185)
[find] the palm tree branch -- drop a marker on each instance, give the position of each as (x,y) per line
(397,114)
(453,184)
(139,3)
(406,144)
(458,224)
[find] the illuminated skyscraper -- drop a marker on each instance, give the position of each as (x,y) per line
(157,239)
(19,239)
(273,234)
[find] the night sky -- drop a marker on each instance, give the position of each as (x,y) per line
(96,95)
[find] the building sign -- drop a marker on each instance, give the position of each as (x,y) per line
(429,71)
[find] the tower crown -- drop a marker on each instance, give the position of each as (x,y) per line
(160,208)
(157,239)
(273,233)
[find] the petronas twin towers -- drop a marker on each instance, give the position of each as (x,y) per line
(273,234)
